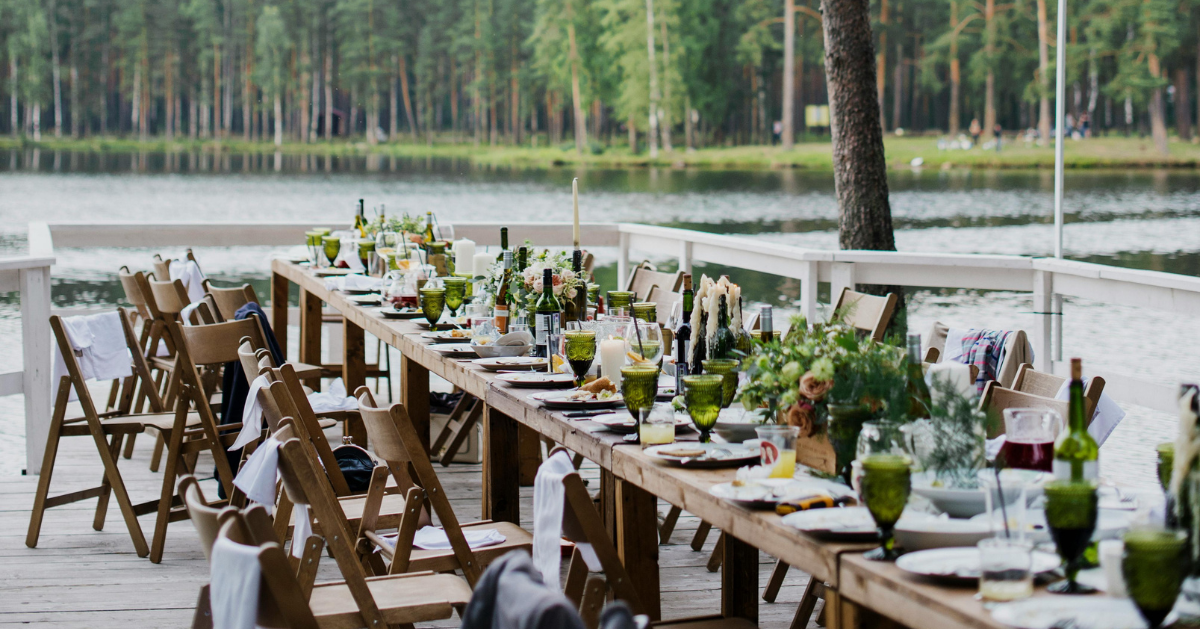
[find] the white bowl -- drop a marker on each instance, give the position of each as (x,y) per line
(966,503)
(735,425)
(920,531)
(500,351)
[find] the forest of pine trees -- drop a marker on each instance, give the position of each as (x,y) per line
(663,74)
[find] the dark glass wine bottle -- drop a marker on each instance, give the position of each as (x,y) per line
(919,400)
(683,335)
(547,313)
(575,308)
(766,324)
(428,229)
(724,341)
(1076,455)
(522,258)
(744,341)
(503,239)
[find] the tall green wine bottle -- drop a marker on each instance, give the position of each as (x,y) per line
(918,392)
(1076,455)
(548,321)
(724,341)
(683,335)
(575,308)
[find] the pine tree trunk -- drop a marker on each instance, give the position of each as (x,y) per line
(576,93)
(898,88)
(328,85)
(955,70)
(1043,75)
(14,126)
(881,62)
(631,126)
(455,78)
(77,117)
(989,96)
(393,106)
(408,110)
(105,71)
(653,135)
(216,107)
(789,78)
(664,111)
(1183,109)
(278,119)
(36,121)
(136,110)
(1158,122)
(479,109)
(168,97)
(302,99)
(55,67)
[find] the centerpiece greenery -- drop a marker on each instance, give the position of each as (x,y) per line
(402,224)
(951,443)
(525,287)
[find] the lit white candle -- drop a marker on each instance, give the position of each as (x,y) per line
(575,200)
(483,262)
(612,358)
(464,256)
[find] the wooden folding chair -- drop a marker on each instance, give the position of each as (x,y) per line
(454,434)
(395,440)
(228,300)
(1030,380)
(588,571)
(107,430)
(287,600)
(665,301)
(868,313)
(644,277)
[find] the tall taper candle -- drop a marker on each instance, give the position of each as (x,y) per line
(575,199)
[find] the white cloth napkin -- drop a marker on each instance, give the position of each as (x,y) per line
(301,529)
(259,473)
(435,538)
(252,415)
(353,282)
(958,374)
(952,351)
(335,399)
(189,273)
(186,313)
(548,494)
(233,584)
(1104,419)
(100,348)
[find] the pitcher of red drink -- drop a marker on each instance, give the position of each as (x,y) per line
(1029,438)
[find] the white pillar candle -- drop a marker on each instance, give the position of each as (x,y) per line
(575,202)
(483,262)
(612,358)
(464,256)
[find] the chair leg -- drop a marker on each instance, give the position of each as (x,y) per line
(156,456)
(128,453)
(668,525)
(114,451)
(593,601)
(167,494)
(718,554)
(464,403)
(202,619)
(43,488)
(776,581)
(701,536)
(462,433)
(808,602)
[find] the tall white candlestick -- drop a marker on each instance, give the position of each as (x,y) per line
(575,199)
(612,358)
(483,262)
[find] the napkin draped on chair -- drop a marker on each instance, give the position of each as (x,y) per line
(100,348)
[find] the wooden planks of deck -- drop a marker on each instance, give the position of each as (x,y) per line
(78,577)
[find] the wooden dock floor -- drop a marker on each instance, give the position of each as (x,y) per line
(78,577)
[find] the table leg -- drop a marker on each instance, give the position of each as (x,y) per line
(310,334)
(279,310)
(739,579)
(354,371)
(637,543)
(414,394)
(529,447)
(840,613)
(501,490)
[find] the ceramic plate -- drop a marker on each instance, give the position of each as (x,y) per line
(361,291)
(513,363)
(537,380)
(446,323)
(689,454)
(561,401)
(1110,523)
(766,493)
(404,313)
(622,422)
(453,350)
(922,531)
(331,272)
(449,336)
(366,299)
(961,564)
(1080,612)
(847,524)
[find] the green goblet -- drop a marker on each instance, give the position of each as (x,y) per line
(433,301)
(728,369)
(639,387)
(886,484)
(333,245)
(646,311)
(703,395)
(1153,567)
(456,290)
(581,352)
(620,299)
(1071,514)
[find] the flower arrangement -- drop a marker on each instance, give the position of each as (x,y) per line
(403,224)
(527,286)
(951,442)
(808,370)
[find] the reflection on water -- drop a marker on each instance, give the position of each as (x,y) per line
(1138,219)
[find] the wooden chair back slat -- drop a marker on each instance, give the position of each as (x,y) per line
(644,278)
(228,300)
(869,313)
(280,599)
(288,393)
(217,344)
(162,268)
(206,519)
(133,291)
(1030,380)
(665,301)
(170,296)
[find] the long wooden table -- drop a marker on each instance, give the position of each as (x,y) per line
(630,481)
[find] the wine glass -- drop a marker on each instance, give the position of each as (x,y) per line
(643,342)
(703,394)
(886,484)
(728,369)
(580,350)
(312,242)
(456,289)
(333,246)
(1153,567)
(433,301)
(1071,513)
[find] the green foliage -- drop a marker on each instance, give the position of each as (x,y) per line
(957,431)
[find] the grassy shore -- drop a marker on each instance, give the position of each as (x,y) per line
(1111,152)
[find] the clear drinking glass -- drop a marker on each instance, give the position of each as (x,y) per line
(1004,500)
(779,449)
(658,426)
(644,343)
(1005,569)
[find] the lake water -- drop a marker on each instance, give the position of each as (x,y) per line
(1142,219)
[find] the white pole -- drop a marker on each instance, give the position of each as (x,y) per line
(1060,104)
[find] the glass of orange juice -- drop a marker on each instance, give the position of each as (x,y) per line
(779,449)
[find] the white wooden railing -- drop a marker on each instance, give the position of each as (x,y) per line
(1048,279)
(30,276)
